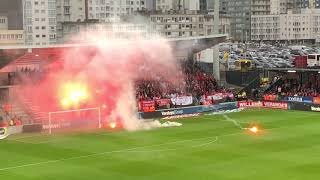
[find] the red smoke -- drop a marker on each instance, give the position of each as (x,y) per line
(109,70)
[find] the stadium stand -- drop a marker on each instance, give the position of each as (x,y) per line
(30,68)
(293,86)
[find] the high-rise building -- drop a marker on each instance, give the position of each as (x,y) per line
(70,10)
(151,5)
(111,10)
(290,27)
(260,7)
(187,24)
(3,22)
(283,6)
(167,5)
(239,12)
(39,21)
(204,5)
(12,9)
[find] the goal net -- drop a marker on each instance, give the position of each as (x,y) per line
(73,120)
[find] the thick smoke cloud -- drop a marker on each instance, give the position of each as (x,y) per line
(110,68)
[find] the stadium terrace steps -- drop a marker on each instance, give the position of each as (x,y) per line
(37,115)
(30,110)
(20,113)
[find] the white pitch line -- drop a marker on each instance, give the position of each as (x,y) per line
(116,151)
(97,154)
(174,149)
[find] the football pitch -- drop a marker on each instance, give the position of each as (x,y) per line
(205,147)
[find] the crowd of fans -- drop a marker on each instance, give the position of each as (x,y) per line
(294,86)
(195,82)
(7,118)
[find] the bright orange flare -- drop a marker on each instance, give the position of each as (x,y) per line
(73,93)
(113,125)
(65,102)
(254,129)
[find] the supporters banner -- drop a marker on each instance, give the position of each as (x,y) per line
(3,132)
(220,96)
(147,106)
(270,97)
(163,102)
(182,100)
(299,99)
(263,104)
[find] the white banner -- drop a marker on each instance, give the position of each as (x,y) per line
(220,96)
(182,100)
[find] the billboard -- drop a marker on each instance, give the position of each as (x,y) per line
(3,132)
(263,104)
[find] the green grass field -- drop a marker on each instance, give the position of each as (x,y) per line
(206,147)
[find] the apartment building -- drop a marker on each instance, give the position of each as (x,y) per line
(168,5)
(39,22)
(112,10)
(174,24)
(3,22)
(11,37)
(81,32)
(304,26)
(239,12)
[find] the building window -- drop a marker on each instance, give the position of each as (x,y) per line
(66,10)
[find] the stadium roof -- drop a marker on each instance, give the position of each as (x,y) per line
(36,56)
(293,69)
(210,37)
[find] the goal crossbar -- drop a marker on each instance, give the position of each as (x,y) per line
(75,110)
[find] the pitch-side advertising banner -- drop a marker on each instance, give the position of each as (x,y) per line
(299,99)
(263,104)
(3,132)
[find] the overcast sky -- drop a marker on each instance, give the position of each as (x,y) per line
(13,10)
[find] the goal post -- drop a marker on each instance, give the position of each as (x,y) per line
(68,119)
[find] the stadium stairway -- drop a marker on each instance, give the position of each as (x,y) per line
(18,111)
(35,113)
(31,112)
(272,86)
